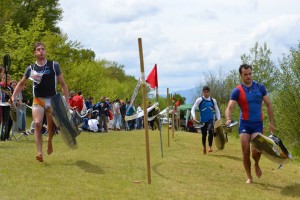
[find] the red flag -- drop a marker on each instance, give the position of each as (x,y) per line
(152,78)
(177,103)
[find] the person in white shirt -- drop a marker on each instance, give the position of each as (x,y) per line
(139,121)
(209,110)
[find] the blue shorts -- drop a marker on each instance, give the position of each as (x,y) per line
(250,127)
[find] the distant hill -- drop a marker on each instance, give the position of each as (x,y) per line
(189,94)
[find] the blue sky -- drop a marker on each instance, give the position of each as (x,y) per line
(185,38)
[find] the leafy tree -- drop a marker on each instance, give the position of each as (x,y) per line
(231,81)
(114,70)
(176,97)
(18,43)
(287,100)
(162,102)
(264,70)
(81,71)
(94,79)
(22,12)
(217,86)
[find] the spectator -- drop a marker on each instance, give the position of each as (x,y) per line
(6,120)
(103,108)
(190,126)
(72,94)
(77,102)
(123,114)
(139,121)
(89,103)
(130,111)
(117,115)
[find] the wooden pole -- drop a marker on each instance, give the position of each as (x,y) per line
(178,118)
(145,109)
(173,120)
(168,117)
(156,91)
(160,125)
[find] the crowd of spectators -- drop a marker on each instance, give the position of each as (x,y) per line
(108,114)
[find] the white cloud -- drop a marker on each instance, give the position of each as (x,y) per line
(185,38)
(281,33)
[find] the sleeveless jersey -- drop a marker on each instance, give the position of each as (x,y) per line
(45,85)
(207,110)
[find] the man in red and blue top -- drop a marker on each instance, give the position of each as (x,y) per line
(249,95)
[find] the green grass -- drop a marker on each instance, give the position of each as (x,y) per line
(113,166)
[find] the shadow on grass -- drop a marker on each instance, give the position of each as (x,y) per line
(229,157)
(155,169)
(190,147)
(291,190)
(88,167)
(267,186)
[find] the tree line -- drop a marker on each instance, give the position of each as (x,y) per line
(82,71)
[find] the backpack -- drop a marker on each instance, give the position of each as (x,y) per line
(204,100)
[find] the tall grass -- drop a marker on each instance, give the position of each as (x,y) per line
(113,166)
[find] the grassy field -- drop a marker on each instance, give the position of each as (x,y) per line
(113,166)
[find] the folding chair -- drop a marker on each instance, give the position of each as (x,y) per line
(20,125)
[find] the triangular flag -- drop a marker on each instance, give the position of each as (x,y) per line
(177,103)
(152,78)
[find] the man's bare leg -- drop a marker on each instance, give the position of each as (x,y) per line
(256,157)
(245,143)
(38,115)
(50,125)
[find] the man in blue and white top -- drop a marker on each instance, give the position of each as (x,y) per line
(209,110)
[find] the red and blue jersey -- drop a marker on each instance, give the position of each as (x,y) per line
(250,101)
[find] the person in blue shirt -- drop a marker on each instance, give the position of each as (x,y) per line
(209,110)
(103,107)
(249,95)
(89,103)
(130,111)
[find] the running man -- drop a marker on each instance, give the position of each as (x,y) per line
(44,74)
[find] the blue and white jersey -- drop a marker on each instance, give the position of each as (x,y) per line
(207,109)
